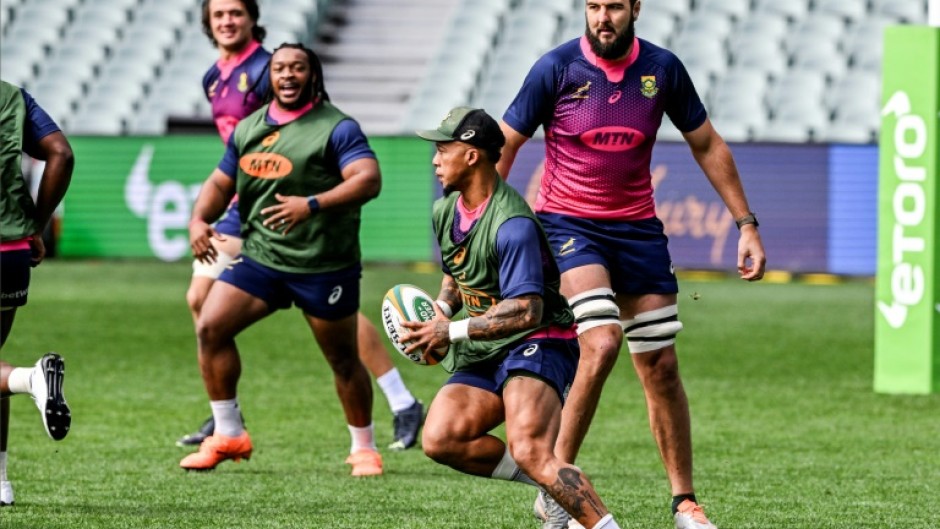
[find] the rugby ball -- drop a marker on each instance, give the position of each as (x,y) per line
(408,303)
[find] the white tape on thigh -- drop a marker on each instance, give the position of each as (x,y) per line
(214,270)
(652,330)
(593,308)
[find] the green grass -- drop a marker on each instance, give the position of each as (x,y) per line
(788,432)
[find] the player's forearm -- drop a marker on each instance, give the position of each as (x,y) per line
(721,171)
(506,318)
(352,192)
(213,198)
(56,177)
(450,295)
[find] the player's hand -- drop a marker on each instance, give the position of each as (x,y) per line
(286,215)
(751,257)
(38,249)
(200,241)
(427,336)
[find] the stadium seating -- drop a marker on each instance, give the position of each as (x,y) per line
(400,64)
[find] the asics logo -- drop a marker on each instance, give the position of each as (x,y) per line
(335,295)
(530,350)
(567,248)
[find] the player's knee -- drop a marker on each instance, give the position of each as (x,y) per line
(438,445)
(659,370)
(531,457)
(194,299)
(210,335)
(594,309)
(600,348)
(652,330)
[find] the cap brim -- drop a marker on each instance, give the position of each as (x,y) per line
(433,135)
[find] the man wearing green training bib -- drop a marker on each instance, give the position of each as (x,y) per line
(515,353)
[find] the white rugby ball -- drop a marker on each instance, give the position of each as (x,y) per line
(408,303)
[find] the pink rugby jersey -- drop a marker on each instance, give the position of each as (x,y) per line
(236,87)
(600,119)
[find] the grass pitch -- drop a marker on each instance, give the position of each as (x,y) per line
(788,432)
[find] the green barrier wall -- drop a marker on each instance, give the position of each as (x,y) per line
(907,321)
(132,197)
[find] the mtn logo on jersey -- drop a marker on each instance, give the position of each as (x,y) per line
(612,139)
(648,86)
(265,165)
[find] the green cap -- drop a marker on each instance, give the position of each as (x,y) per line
(468,125)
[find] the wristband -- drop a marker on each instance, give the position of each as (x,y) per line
(445,308)
(313,204)
(459,331)
(750,218)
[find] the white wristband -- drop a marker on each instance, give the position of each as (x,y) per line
(445,308)
(459,331)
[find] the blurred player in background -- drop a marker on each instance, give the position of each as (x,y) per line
(236,86)
(601,99)
(516,353)
(302,170)
(25,127)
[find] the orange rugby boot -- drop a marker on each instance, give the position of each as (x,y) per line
(365,462)
(218,448)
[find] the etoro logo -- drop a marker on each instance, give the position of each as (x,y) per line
(165,206)
(908,210)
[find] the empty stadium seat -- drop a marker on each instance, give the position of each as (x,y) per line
(849,10)
(736,9)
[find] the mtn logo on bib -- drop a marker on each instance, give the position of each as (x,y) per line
(612,139)
(265,165)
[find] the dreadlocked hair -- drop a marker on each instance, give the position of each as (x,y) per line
(319,89)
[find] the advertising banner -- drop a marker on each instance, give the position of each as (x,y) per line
(907,352)
(132,197)
(787,186)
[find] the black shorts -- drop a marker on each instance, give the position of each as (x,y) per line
(15,267)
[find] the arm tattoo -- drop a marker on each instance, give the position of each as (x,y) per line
(450,294)
(507,317)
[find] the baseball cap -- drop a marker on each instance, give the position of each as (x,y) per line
(469,125)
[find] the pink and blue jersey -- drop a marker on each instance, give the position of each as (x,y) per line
(600,119)
(236,87)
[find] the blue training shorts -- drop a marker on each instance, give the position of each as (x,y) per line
(635,253)
(230,223)
(553,360)
(14,277)
(327,295)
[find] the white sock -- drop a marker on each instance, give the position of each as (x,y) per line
(19,380)
(398,396)
(3,466)
(508,470)
(607,522)
(362,438)
(228,418)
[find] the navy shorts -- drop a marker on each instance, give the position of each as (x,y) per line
(635,253)
(328,295)
(14,277)
(230,223)
(553,360)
